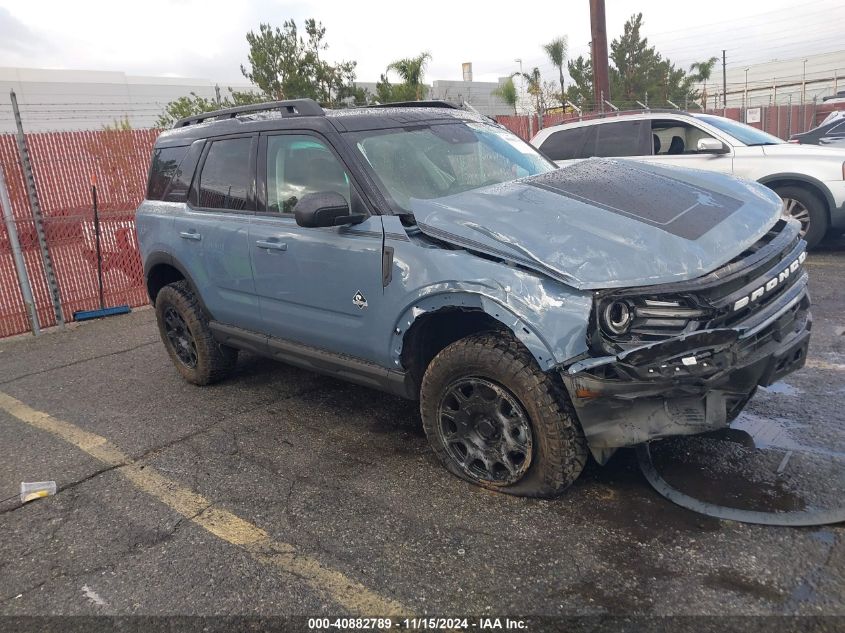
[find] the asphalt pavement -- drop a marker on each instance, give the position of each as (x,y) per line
(282,492)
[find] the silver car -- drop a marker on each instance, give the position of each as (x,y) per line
(810,180)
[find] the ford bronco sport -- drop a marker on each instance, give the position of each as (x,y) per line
(538,314)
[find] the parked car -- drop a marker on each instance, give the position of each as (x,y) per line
(810,180)
(831,133)
(536,313)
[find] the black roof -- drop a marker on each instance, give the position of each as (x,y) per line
(307,114)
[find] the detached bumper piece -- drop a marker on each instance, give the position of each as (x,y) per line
(690,383)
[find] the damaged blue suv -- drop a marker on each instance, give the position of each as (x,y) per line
(537,314)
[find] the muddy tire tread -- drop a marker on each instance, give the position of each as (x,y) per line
(554,421)
(214,361)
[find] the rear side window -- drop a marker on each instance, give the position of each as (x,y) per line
(171,172)
(626,138)
(567,144)
(165,164)
(226,180)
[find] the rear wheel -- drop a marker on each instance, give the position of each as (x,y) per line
(808,208)
(183,326)
(493,418)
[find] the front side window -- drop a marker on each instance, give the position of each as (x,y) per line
(672,137)
(435,161)
(226,178)
(297,165)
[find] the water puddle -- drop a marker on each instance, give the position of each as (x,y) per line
(783,388)
(760,464)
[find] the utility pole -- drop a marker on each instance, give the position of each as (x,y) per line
(745,99)
(724,81)
(601,79)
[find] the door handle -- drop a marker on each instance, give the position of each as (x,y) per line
(272,245)
(190,235)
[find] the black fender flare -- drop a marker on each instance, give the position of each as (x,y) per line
(157,258)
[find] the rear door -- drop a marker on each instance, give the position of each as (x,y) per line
(616,139)
(213,232)
(320,287)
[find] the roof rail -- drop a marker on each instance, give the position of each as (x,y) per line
(289,108)
(419,104)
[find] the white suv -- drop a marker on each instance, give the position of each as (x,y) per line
(810,179)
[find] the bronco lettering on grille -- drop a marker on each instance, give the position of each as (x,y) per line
(770,284)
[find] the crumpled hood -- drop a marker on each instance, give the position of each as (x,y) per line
(604,223)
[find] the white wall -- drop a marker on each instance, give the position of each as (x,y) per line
(56,100)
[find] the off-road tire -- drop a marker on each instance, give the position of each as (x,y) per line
(816,207)
(559,450)
(213,361)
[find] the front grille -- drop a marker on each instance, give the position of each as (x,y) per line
(730,296)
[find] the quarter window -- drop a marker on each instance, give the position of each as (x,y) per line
(297,165)
(164,166)
(226,178)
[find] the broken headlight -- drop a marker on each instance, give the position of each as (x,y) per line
(616,317)
(630,320)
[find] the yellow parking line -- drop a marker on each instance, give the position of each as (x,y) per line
(348,593)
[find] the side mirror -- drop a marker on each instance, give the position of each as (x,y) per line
(710,146)
(325,208)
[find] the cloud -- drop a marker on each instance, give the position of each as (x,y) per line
(17,38)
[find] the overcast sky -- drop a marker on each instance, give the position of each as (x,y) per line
(205,38)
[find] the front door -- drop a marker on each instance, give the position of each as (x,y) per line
(316,286)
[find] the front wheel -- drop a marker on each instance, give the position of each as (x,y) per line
(809,209)
(495,419)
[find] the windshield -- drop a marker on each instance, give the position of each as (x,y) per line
(740,131)
(441,160)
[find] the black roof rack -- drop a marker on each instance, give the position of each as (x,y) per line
(289,108)
(419,104)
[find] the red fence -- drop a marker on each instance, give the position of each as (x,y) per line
(63,164)
(782,120)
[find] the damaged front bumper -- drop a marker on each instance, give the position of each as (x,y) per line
(687,384)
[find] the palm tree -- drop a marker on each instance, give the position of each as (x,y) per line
(701,71)
(557,50)
(534,87)
(507,91)
(411,70)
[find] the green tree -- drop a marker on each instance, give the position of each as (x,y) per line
(284,65)
(507,91)
(194,104)
(118,125)
(535,88)
(636,69)
(580,91)
(557,50)
(411,70)
(701,71)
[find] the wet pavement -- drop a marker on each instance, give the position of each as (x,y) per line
(314,497)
